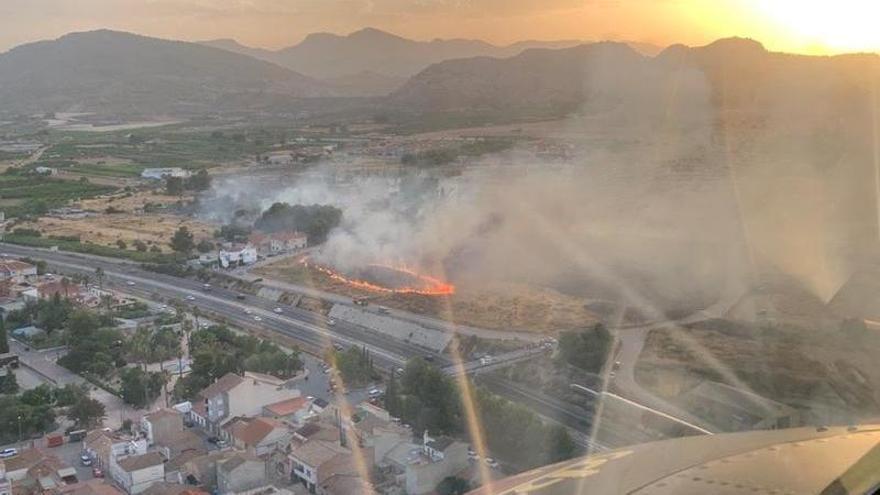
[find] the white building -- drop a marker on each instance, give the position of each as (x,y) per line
(161,173)
(238,396)
(137,472)
(237,254)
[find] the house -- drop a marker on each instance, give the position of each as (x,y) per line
(202,470)
(374,429)
(94,486)
(63,288)
(28,332)
(238,396)
(313,462)
(162,426)
(35,470)
(294,410)
(17,271)
(161,173)
(346,484)
(165,488)
(102,446)
(185,441)
(5,483)
(241,474)
(438,458)
(234,254)
(278,242)
(260,436)
(135,473)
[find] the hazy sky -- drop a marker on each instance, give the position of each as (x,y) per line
(815,26)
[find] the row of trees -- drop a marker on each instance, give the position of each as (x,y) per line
(586,349)
(315,220)
(355,365)
(428,399)
(33,411)
(199,181)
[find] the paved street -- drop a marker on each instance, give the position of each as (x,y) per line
(43,364)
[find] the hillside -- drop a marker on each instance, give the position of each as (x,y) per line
(609,73)
(111,71)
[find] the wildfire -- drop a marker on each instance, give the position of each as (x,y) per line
(406,280)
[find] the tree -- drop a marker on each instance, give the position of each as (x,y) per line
(4,341)
(174,186)
(86,412)
(205,246)
(182,241)
(199,181)
(99,274)
(140,245)
(8,384)
(140,389)
(121,244)
(587,349)
(453,485)
(559,445)
(315,220)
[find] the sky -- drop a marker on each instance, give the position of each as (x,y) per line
(802,26)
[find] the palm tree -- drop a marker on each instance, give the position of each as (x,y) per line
(99,274)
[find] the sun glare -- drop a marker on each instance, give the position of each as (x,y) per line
(825,26)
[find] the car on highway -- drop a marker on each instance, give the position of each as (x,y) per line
(492,463)
(247,311)
(257,318)
(240,297)
(206,287)
(331,322)
(190,297)
(278,310)
(7,453)
(130,283)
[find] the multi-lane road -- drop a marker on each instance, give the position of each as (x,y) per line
(312,330)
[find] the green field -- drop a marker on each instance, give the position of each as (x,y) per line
(29,194)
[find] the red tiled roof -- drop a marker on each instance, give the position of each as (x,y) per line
(256,430)
(287,407)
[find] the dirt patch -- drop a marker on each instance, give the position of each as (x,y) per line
(129,225)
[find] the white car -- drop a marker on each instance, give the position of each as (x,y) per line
(331,322)
(492,463)
(7,453)
(257,318)
(190,298)
(278,310)
(130,283)
(247,311)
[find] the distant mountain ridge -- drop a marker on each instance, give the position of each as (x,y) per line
(127,72)
(740,71)
(329,56)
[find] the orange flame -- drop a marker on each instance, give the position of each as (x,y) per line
(431,286)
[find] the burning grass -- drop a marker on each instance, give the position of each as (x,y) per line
(501,306)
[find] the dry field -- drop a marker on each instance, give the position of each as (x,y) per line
(503,307)
(128,226)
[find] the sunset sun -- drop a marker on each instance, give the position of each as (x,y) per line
(821,25)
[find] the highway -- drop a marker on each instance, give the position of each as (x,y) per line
(310,329)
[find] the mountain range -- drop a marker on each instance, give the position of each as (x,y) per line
(126,72)
(116,72)
(387,59)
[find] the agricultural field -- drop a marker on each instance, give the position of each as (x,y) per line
(121,218)
(34,195)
